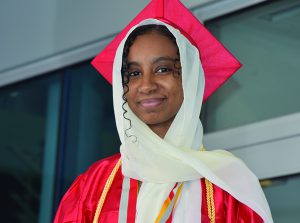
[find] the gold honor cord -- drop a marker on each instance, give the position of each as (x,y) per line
(210,198)
(105,191)
(210,201)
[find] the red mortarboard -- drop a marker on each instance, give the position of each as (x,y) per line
(218,64)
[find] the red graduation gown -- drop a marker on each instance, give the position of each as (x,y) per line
(80,201)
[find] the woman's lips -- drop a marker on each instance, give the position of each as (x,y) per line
(151,103)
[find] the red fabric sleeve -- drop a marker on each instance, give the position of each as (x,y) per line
(239,212)
(80,202)
(69,206)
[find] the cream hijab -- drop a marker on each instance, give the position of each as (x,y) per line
(159,163)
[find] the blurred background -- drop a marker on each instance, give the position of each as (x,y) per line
(56,114)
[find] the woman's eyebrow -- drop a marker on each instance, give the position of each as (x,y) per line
(154,60)
(164,58)
(130,63)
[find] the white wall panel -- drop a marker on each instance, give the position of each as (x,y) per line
(41,36)
(270,148)
(32,30)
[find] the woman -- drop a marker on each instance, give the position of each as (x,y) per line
(161,176)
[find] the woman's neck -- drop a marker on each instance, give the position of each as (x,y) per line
(161,129)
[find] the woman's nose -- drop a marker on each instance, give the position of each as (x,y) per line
(148,84)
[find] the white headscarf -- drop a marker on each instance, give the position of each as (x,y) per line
(159,163)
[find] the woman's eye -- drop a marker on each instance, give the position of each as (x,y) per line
(163,70)
(133,74)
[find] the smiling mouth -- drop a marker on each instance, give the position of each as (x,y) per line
(151,103)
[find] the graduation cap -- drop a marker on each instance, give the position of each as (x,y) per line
(218,63)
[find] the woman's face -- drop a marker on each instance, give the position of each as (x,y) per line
(155,85)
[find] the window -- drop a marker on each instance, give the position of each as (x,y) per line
(29,124)
(284,199)
(265,38)
(52,129)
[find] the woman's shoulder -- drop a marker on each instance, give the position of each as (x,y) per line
(97,174)
(81,199)
(103,164)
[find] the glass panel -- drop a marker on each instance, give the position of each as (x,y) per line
(265,39)
(90,127)
(29,118)
(284,198)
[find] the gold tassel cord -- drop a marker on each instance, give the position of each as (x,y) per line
(210,201)
(105,191)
